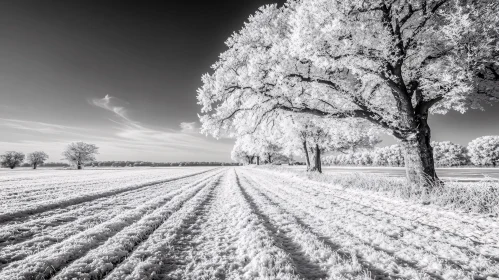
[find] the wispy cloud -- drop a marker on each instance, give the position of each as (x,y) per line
(34,126)
(123,139)
(189,127)
(135,135)
(114,105)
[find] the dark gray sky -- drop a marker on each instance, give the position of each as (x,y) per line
(124,74)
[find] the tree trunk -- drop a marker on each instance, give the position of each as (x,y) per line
(418,157)
(307,158)
(317,160)
(34,165)
(79,165)
(269,159)
(258,160)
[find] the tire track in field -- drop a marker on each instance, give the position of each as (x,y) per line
(47,263)
(14,232)
(427,242)
(18,215)
(55,189)
(212,251)
(22,250)
(403,231)
(102,260)
(148,260)
(175,262)
(392,208)
(339,194)
(305,268)
(320,219)
(20,232)
(345,255)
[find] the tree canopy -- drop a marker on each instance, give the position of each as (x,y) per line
(11,159)
(79,153)
(391,63)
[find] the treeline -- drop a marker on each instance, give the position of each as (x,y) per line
(157,164)
(136,164)
(80,154)
(483,151)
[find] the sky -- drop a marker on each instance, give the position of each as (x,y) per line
(123,75)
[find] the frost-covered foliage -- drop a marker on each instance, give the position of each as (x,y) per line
(288,135)
(391,63)
(37,158)
(11,159)
(257,149)
(242,151)
(484,150)
(449,154)
(384,156)
(80,153)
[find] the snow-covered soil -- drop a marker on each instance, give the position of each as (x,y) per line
(228,223)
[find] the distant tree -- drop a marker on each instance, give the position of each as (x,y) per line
(484,150)
(11,159)
(37,158)
(449,154)
(80,153)
(395,155)
(380,158)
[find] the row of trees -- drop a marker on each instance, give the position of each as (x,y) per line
(483,151)
(12,159)
(390,63)
(77,154)
(307,136)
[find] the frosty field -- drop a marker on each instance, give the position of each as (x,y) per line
(228,223)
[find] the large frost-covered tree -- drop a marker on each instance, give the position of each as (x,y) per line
(391,62)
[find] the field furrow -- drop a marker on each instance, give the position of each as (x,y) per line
(150,258)
(457,250)
(60,183)
(44,236)
(43,223)
(102,260)
(81,197)
(437,259)
(49,261)
(206,250)
(476,229)
(312,257)
(230,223)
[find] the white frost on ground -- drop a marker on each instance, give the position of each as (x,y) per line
(228,223)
